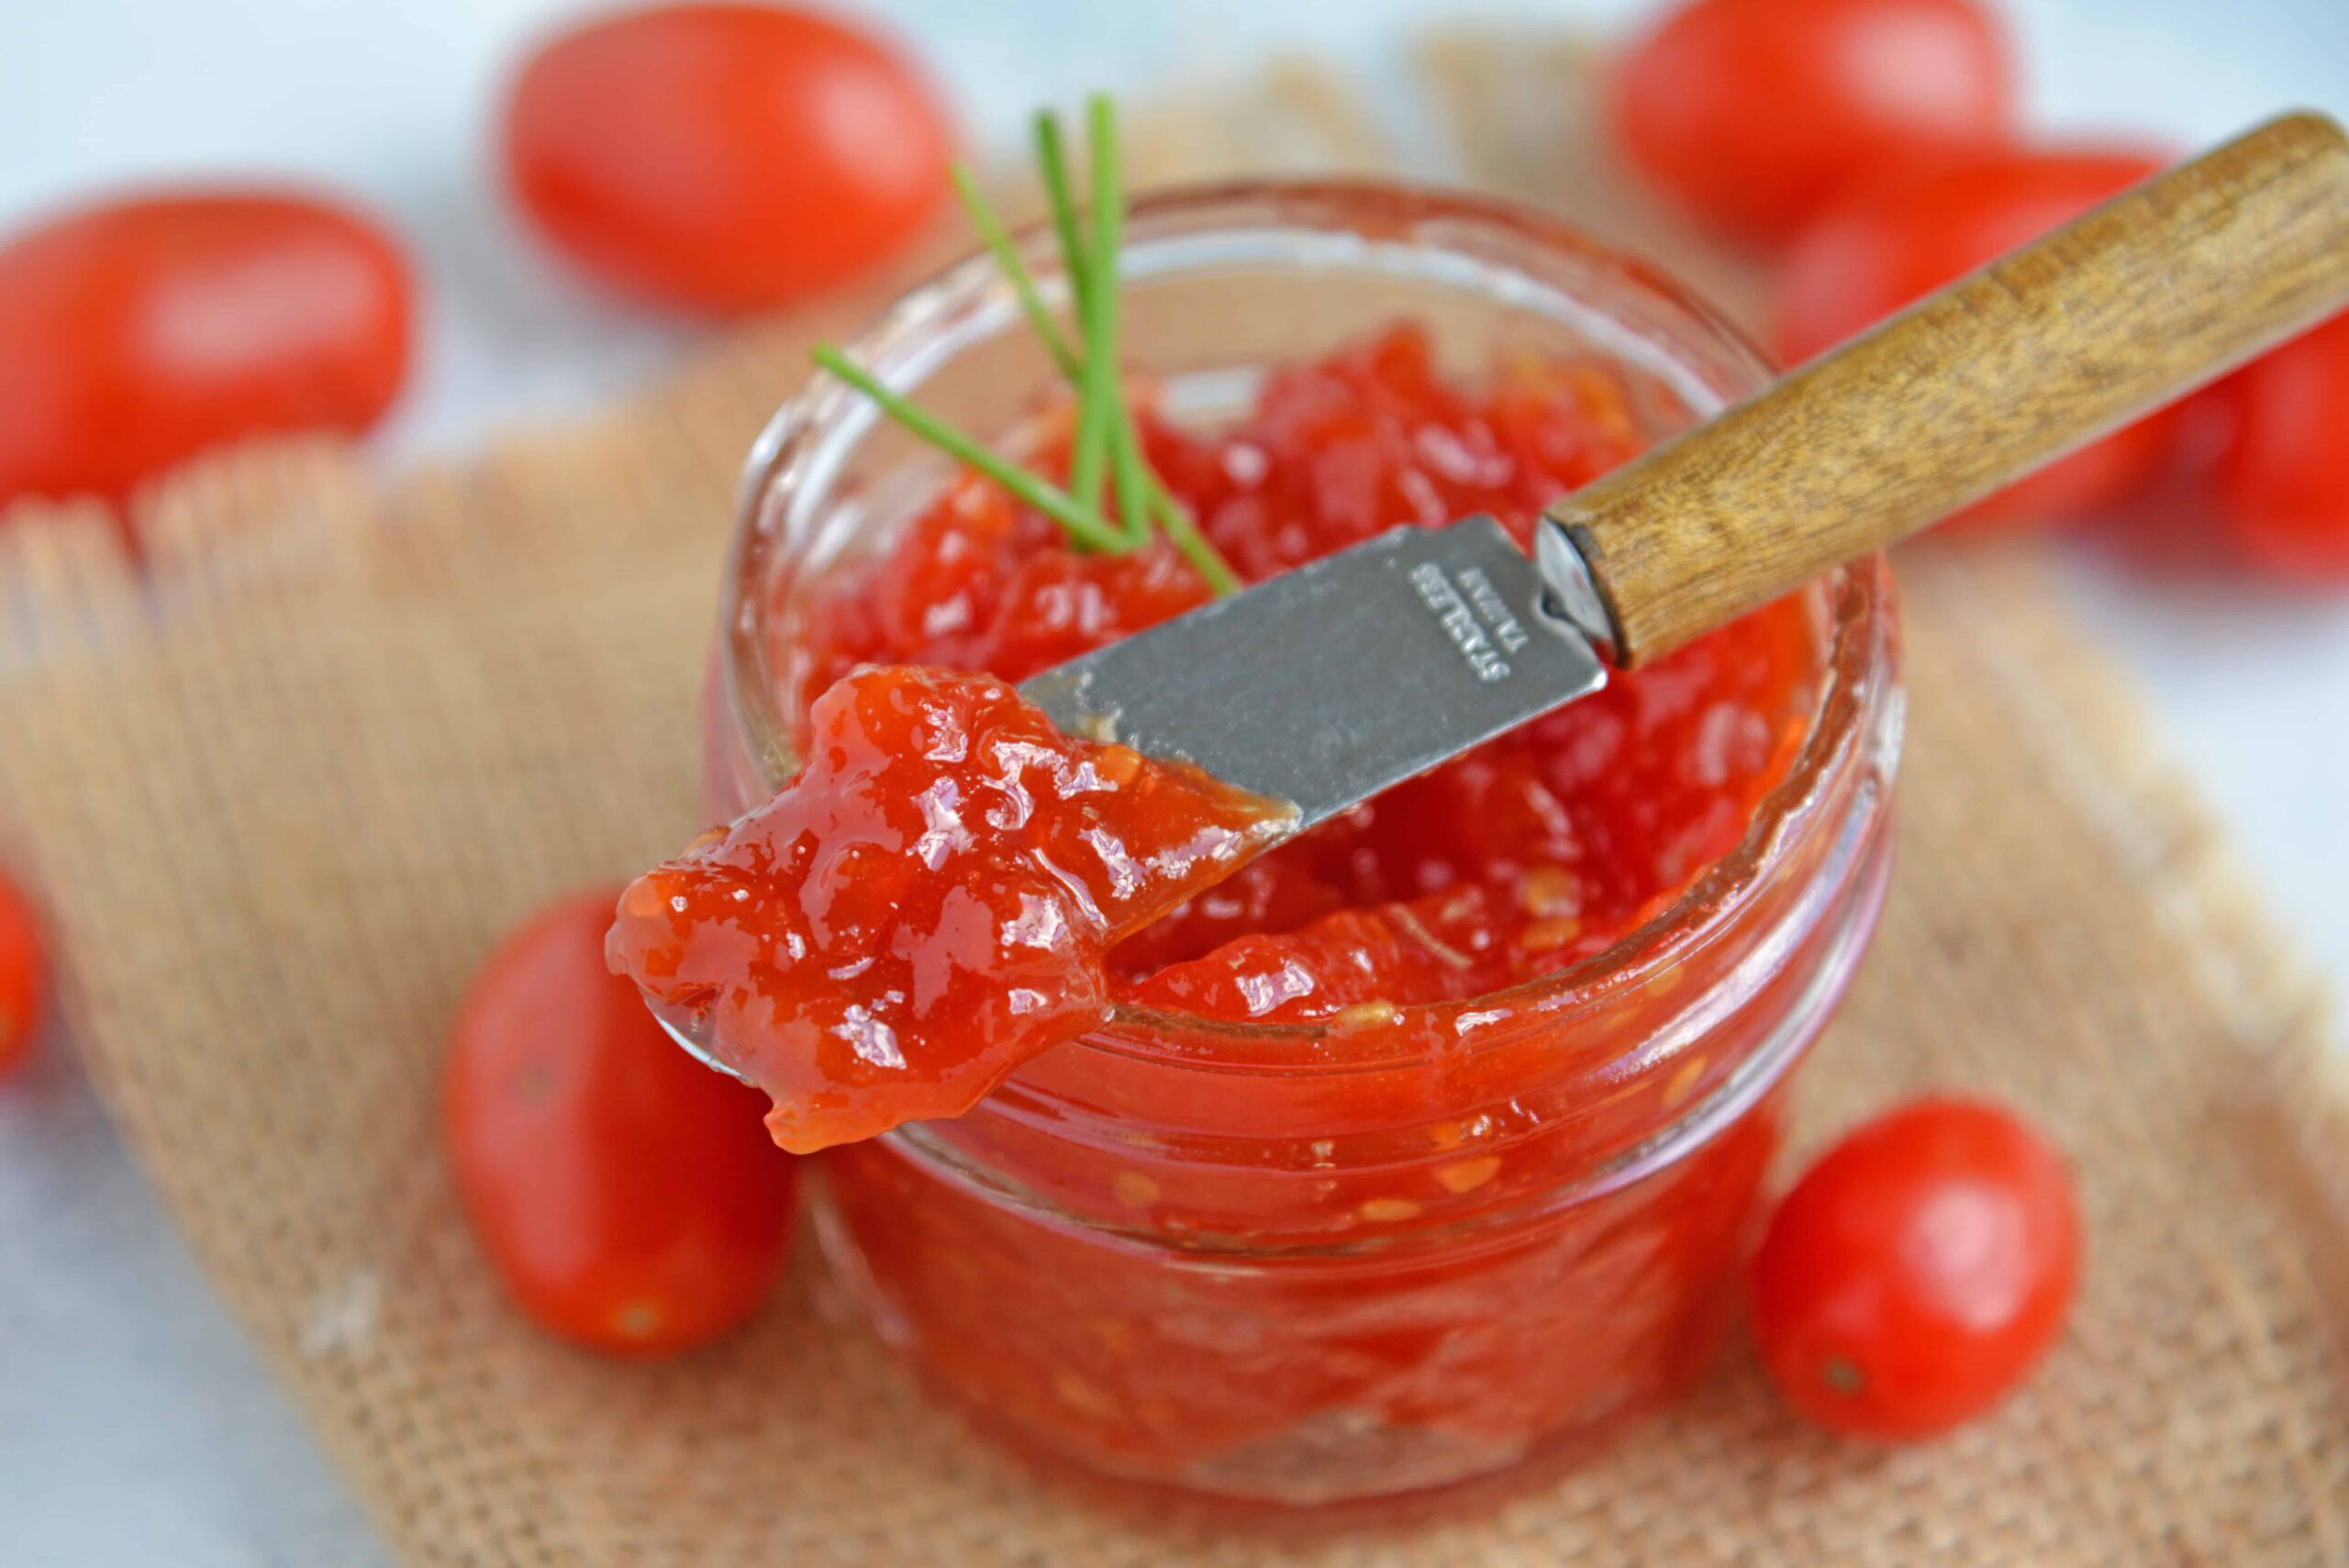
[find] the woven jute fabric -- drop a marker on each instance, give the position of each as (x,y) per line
(285,783)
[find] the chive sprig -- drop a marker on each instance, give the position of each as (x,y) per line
(1106,454)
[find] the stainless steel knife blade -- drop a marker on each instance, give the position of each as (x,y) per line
(1324,685)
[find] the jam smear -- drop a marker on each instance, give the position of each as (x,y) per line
(928,905)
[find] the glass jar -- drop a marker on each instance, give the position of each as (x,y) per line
(1212,1255)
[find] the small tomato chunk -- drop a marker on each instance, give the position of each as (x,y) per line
(2284,484)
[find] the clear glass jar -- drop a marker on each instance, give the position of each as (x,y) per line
(1197,1253)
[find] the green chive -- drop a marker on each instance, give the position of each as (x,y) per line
(1089,449)
(1129,469)
(1085,527)
(1102,331)
(1108,446)
(997,240)
(1098,409)
(1088,464)
(1052,163)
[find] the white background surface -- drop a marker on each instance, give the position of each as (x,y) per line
(136,1428)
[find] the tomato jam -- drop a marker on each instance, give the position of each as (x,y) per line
(1433,1137)
(1527,856)
(928,905)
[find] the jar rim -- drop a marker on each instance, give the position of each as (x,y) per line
(1855,677)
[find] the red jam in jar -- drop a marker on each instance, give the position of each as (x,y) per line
(1433,1137)
(1532,853)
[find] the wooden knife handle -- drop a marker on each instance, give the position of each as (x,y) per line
(2043,350)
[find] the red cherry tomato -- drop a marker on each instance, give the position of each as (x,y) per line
(724,157)
(1902,237)
(1918,1271)
(24,976)
(1755,113)
(139,333)
(628,1197)
(2284,481)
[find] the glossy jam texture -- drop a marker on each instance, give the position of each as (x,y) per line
(927,906)
(1530,854)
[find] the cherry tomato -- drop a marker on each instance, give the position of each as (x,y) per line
(139,333)
(1918,1271)
(2284,481)
(724,157)
(628,1195)
(1754,114)
(1902,237)
(24,976)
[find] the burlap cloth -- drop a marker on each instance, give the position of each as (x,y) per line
(282,793)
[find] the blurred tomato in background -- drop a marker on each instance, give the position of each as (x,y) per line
(1873,147)
(137,333)
(1910,231)
(1755,114)
(2284,480)
(23,975)
(724,157)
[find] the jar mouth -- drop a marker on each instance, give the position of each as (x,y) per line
(805,444)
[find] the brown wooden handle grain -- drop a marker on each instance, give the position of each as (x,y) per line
(2155,293)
